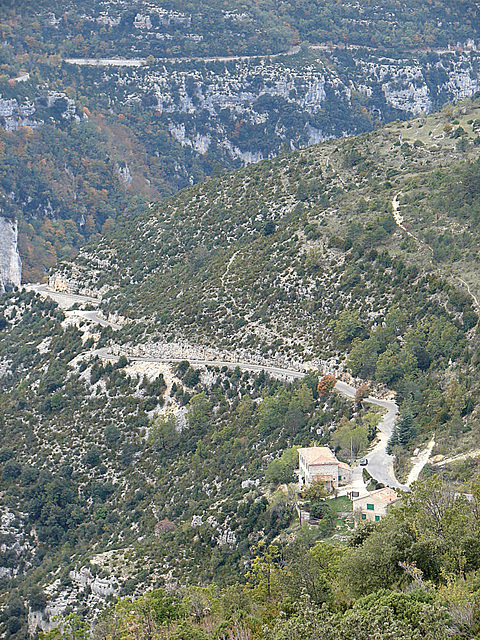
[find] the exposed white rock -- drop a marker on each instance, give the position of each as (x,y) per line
(315,136)
(412,99)
(315,93)
(123,174)
(62,599)
(7,107)
(14,115)
(107,20)
(250,89)
(142,21)
(463,83)
(15,544)
(200,143)
(246,484)
(247,157)
(101,587)
(197,521)
(10,263)
(226,537)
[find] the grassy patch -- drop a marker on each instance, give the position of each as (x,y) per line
(341,504)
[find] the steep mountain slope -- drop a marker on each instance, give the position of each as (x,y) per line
(360,253)
(104,493)
(238,256)
(10,263)
(168,28)
(178,92)
(116,476)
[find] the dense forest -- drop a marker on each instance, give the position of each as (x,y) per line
(68,184)
(91,465)
(415,575)
(300,261)
(145,500)
(121,476)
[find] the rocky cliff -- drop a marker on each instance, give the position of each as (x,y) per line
(10,263)
(245,110)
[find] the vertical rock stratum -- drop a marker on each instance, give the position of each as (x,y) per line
(10,263)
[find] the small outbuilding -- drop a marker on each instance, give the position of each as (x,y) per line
(374,505)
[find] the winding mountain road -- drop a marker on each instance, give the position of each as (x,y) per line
(68,300)
(380,463)
(141,62)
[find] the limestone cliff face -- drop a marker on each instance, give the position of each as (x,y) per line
(250,109)
(10,263)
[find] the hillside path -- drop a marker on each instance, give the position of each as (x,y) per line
(461,456)
(420,461)
(399,222)
(141,62)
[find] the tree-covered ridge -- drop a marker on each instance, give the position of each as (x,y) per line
(306,223)
(73,159)
(300,260)
(67,183)
(252,27)
(99,496)
(65,188)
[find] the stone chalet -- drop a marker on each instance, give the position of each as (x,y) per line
(375,504)
(319,464)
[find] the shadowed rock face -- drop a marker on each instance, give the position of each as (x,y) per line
(10,263)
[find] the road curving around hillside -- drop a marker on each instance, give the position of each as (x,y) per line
(380,463)
(67,302)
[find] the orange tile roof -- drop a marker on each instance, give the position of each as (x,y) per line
(321,455)
(385,495)
(318,455)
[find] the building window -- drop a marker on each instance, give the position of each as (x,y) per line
(364,516)
(370,507)
(377,518)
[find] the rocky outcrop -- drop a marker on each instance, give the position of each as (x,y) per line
(16,113)
(251,109)
(10,263)
(92,590)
